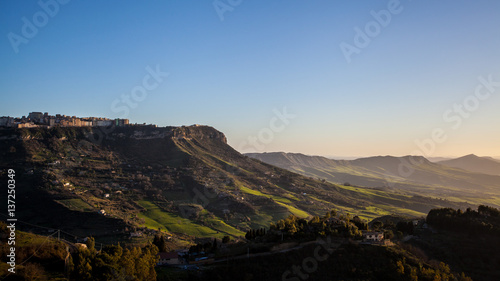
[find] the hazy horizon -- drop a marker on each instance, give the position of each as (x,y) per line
(357,78)
(340,157)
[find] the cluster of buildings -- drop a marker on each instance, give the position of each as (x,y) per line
(39,119)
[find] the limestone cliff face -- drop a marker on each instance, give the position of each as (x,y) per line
(198,132)
(201,133)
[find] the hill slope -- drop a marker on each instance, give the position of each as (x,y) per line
(473,163)
(412,174)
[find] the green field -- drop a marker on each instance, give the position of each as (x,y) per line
(285,202)
(297,212)
(154,218)
(258,193)
(219,225)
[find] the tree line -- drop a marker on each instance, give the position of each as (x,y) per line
(485,220)
(114,263)
(293,228)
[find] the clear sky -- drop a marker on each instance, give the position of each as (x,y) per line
(345,78)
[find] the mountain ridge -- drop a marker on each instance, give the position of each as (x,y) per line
(414,174)
(474,163)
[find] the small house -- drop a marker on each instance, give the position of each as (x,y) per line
(170,258)
(373,236)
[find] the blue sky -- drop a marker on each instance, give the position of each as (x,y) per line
(261,57)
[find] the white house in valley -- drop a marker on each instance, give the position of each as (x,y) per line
(375,236)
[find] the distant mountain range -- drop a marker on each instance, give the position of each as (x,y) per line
(473,163)
(413,174)
(438,159)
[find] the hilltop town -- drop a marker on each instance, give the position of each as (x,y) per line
(39,119)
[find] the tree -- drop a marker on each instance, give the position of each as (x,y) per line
(388,234)
(359,223)
(156,241)
(160,242)
(147,262)
(248,235)
(315,220)
(273,226)
(91,243)
(262,231)
(214,245)
(488,211)
(292,229)
(115,263)
(226,239)
(82,268)
(411,228)
(378,225)
(400,267)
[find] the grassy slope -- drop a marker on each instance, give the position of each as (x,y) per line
(155,217)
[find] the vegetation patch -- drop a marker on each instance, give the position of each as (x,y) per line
(175,223)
